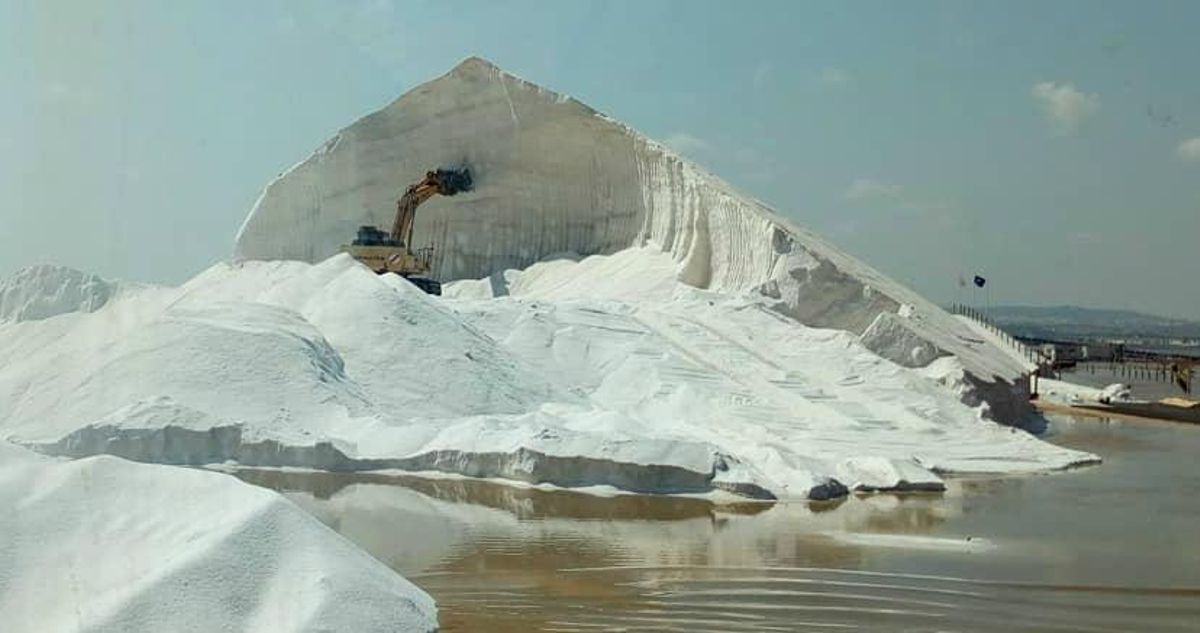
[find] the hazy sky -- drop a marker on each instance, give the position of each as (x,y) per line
(1053,147)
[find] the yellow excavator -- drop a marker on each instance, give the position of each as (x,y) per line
(392,252)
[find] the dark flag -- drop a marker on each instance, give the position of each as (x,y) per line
(979,281)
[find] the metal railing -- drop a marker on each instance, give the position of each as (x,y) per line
(1031,353)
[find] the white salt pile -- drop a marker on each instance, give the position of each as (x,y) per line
(331,366)
(102,544)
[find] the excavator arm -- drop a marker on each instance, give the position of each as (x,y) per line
(446,182)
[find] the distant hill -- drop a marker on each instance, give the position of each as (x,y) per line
(1073,322)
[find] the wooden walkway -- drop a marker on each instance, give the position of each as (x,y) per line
(1127,411)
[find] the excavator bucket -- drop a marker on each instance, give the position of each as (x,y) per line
(451,181)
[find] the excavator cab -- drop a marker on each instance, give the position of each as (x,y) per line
(392,252)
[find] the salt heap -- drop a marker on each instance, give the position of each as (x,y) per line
(692,341)
(102,544)
(555,176)
(39,292)
(331,366)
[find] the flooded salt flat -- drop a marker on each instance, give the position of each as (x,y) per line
(1114,547)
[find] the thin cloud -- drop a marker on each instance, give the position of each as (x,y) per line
(287,23)
(1064,105)
(835,77)
(943,214)
(762,76)
(60,92)
(1086,238)
(747,156)
(685,143)
(1189,149)
(866,189)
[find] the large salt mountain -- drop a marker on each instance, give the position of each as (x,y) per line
(613,316)
(555,176)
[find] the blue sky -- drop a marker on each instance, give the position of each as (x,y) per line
(1044,145)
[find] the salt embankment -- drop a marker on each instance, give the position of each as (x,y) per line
(330,366)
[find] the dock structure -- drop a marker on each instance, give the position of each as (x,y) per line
(1168,409)
(1175,370)
(1166,378)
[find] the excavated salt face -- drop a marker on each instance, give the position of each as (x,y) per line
(569,373)
(553,176)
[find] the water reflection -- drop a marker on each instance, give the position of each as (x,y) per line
(1063,552)
(523,502)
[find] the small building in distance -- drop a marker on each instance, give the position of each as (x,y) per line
(1103,351)
(1065,354)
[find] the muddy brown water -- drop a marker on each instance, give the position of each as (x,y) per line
(1114,547)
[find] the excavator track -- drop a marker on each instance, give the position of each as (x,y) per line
(430,286)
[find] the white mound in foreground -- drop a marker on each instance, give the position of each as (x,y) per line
(331,366)
(102,544)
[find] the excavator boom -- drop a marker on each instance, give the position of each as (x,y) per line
(446,182)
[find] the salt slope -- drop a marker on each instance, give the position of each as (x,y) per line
(103,544)
(39,292)
(555,176)
(735,373)
(331,366)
